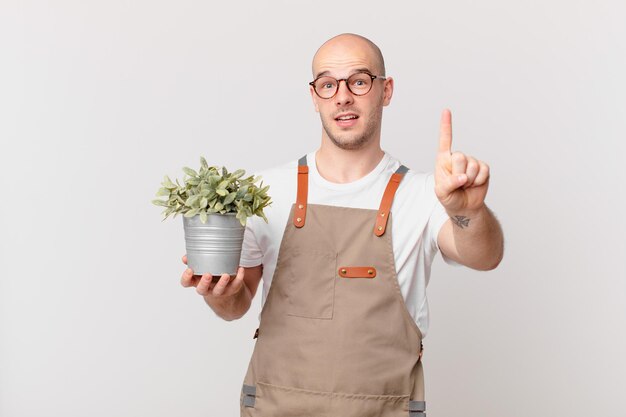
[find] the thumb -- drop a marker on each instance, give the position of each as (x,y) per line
(237,282)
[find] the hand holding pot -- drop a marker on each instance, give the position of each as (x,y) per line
(208,285)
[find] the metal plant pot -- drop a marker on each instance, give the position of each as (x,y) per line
(215,246)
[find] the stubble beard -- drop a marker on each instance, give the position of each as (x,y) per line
(352,141)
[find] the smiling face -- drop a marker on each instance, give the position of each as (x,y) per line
(350,121)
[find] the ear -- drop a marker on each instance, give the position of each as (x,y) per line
(388,92)
(314,98)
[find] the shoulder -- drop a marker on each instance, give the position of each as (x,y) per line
(281,179)
(415,197)
(415,180)
(418,179)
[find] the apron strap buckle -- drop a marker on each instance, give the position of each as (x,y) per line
(417,408)
(249,395)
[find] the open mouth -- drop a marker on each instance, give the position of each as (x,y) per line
(346,120)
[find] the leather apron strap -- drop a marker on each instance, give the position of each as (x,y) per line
(387,200)
(385,204)
(303,191)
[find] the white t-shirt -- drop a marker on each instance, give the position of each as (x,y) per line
(417,218)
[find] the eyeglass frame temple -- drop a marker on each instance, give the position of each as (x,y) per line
(373,77)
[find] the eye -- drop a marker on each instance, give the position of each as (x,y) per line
(360,81)
(325,84)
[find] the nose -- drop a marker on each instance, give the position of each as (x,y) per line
(343,96)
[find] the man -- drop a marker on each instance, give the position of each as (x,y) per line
(345,266)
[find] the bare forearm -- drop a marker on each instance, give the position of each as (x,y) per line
(478,238)
(232,307)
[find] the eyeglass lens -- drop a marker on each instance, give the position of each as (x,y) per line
(358,84)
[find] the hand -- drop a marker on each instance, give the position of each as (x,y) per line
(208,287)
(461,181)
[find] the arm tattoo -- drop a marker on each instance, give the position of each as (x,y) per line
(460,221)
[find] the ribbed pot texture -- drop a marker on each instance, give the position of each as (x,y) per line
(215,246)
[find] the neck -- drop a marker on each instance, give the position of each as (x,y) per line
(343,166)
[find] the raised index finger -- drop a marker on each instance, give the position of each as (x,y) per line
(445,132)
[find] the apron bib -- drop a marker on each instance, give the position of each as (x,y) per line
(335,338)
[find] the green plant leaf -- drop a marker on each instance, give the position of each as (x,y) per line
(230,198)
(160,203)
(203,216)
(242,217)
(214,180)
(193,200)
(167,183)
(191,212)
(163,191)
(213,189)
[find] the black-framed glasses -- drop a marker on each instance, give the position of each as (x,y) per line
(359,84)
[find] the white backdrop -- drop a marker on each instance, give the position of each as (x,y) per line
(100,100)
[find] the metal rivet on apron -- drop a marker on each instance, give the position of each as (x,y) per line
(343,271)
(298,219)
(369,271)
(380,228)
(300,206)
(382,214)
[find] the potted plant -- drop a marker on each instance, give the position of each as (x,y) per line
(215,205)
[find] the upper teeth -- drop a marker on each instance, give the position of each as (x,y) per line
(347,117)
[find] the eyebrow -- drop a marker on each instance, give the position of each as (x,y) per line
(353,72)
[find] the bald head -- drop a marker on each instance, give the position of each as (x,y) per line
(342,46)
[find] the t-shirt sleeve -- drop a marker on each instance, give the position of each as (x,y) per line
(251,254)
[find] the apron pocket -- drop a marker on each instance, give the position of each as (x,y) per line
(311,283)
(273,400)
